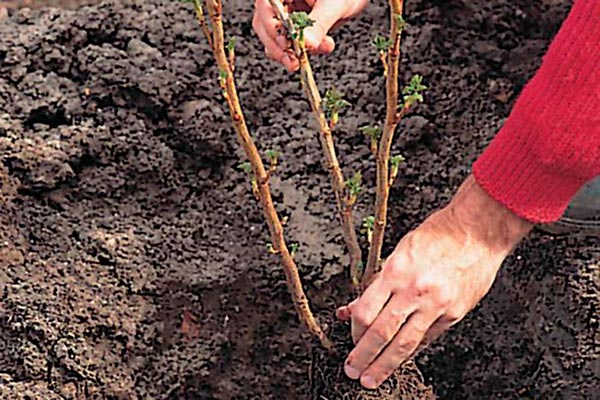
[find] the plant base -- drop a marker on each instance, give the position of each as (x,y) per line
(329,382)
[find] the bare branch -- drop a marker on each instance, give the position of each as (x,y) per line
(260,176)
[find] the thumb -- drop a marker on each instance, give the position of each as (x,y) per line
(325,13)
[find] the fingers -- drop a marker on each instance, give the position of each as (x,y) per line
(378,335)
(268,29)
(325,14)
(404,345)
(367,307)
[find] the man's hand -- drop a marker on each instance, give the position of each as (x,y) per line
(326,14)
(434,277)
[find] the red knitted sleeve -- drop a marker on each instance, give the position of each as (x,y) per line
(550,145)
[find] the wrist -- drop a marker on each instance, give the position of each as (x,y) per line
(484,219)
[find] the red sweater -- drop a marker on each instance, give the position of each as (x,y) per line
(550,145)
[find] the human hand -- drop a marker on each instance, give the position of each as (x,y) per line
(326,14)
(434,277)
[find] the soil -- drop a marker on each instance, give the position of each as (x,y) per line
(132,254)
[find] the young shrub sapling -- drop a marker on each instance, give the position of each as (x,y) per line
(224,55)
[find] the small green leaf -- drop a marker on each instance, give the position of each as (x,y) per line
(294,248)
(333,104)
(354,184)
(413,91)
(273,155)
(246,167)
(301,20)
(381,43)
(402,25)
(397,160)
(223,75)
(230,46)
(374,132)
(368,224)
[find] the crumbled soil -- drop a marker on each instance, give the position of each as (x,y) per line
(132,254)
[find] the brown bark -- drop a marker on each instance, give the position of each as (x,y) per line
(343,200)
(383,154)
(214,8)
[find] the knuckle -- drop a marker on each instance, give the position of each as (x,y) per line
(426,286)
(360,319)
(406,347)
(382,335)
(443,298)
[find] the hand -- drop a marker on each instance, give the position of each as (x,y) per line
(326,14)
(434,277)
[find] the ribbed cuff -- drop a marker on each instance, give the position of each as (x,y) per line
(526,186)
(550,145)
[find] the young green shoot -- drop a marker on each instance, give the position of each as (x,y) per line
(223,82)
(300,21)
(273,157)
(382,45)
(230,47)
(215,36)
(402,24)
(294,25)
(333,104)
(271,249)
(413,92)
(395,162)
(367,227)
(294,249)
(373,133)
(247,168)
(354,186)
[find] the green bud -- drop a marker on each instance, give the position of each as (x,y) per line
(381,43)
(354,184)
(301,20)
(333,104)
(368,224)
(373,132)
(272,155)
(230,46)
(413,91)
(397,160)
(246,167)
(402,25)
(294,248)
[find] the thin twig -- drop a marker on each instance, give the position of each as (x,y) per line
(201,20)
(214,8)
(383,154)
(343,199)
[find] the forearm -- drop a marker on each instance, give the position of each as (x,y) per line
(550,144)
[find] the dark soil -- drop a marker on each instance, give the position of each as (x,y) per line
(132,254)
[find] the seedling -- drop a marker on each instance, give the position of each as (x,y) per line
(260,180)
(295,24)
(326,113)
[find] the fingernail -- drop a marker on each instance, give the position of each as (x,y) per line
(352,372)
(368,382)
